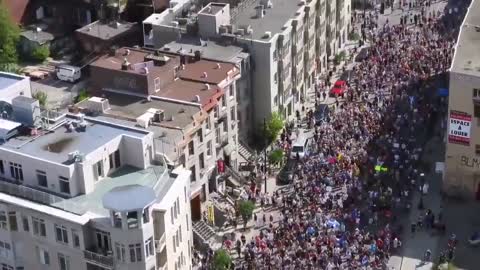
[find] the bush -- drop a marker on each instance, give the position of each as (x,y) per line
(339,57)
(221,260)
(40,53)
(82,95)
(276,156)
(41,97)
(10,68)
(354,36)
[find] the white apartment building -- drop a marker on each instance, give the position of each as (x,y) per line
(80,193)
(13,85)
(290,43)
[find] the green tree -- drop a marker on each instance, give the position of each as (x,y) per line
(246,208)
(276,156)
(40,53)
(221,260)
(274,126)
(41,97)
(9,36)
(10,67)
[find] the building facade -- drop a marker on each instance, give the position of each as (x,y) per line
(462,161)
(196,99)
(81,193)
(290,43)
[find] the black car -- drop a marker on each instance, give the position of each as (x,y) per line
(285,176)
(321,114)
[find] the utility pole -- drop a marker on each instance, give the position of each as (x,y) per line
(265,154)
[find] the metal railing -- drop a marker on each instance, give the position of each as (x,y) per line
(99,259)
(37,196)
(160,244)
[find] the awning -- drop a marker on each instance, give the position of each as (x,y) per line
(228,149)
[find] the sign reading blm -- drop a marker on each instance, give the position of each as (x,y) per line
(459,131)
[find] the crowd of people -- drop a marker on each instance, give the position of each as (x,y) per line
(365,160)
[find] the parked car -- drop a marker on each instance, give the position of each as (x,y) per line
(286,174)
(339,88)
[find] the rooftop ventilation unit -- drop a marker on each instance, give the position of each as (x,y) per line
(196,99)
(267,34)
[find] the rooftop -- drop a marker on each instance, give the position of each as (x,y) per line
(41,37)
(131,107)
(210,49)
(273,21)
(467,59)
(154,178)
(212,8)
(106,31)
(55,144)
(191,91)
(8,79)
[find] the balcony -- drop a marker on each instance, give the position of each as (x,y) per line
(38,196)
(160,244)
(105,261)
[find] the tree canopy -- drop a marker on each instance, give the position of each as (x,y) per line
(9,36)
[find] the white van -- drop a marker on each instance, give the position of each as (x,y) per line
(300,146)
(68,73)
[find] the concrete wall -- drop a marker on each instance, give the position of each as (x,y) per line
(462,164)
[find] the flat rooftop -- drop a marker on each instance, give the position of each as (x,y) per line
(131,107)
(212,8)
(55,145)
(106,31)
(210,49)
(155,177)
(273,21)
(467,59)
(9,79)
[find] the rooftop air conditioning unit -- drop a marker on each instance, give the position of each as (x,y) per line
(267,34)
(73,155)
(174,23)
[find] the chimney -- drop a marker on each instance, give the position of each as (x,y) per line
(127,52)
(205,75)
(218,66)
(125,64)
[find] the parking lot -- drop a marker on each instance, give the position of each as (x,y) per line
(60,93)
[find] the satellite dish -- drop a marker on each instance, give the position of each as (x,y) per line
(6,110)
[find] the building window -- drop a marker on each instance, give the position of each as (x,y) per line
(135,252)
(186,219)
(200,135)
(477,149)
(275,77)
(120,252)
(177,239)
(44,256)
(61,234)
(5,249)
(224,101)
(172,217)
(16,171)
(202,161)
(39,228)
(232,113)
(114,160)
(76,238)
(231,93)
(178,206)
(103,240)
(476,92)
(149,248)
(132,220)
(180,233)
(476,110)
(174,244)
(12,219)
(3,220)
(208,126)
(175,214)
(185,193)
(191,149)
(42,178)
(209,148)
(2,169)
(98,170)
(146,215)
(64,185)
(63,262)
(26,225)
(193,176)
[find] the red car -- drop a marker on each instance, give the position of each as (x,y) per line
(339,88)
